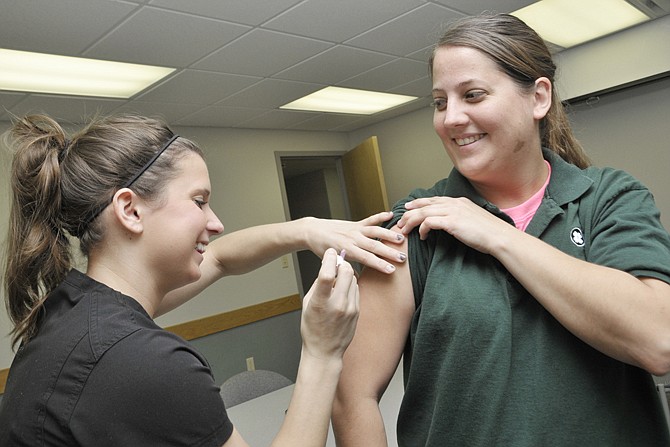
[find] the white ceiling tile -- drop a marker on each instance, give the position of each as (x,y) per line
(335,65)
(275,119)
(272,52)
(478,6)
(66,109)
(423,54)
(388,76)
(65,27)
(270,93)
(170,112)
(242,11)
(327,121)
(198,87)
(9,100)
(420,87)
(174,40)
(219,116)
(339,20)
(408,33)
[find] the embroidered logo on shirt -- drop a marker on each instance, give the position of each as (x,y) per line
(577,237)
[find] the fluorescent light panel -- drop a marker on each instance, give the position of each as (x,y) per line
(47,73)
(346,100)
(570,22)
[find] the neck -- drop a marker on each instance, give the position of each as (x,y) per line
(525,183)
(126,280)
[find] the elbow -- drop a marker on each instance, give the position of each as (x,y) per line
(656,359)
(657,368)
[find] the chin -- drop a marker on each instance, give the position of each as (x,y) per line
(195,275)
(190,277)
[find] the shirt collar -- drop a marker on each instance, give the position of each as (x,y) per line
(567,183)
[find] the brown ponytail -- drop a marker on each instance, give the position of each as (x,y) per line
(38,252)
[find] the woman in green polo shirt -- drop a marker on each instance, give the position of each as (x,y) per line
(535,303)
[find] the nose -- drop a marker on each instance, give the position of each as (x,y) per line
(454,115)
(214,225)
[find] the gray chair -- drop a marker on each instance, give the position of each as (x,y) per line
(664,395)
(248,385)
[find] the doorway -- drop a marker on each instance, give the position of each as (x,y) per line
(312,185)
(331,185)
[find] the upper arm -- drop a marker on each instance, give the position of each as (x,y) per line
(386,310)
(210,271)
(235,440)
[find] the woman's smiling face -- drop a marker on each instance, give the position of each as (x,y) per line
(180,228)
(487,123)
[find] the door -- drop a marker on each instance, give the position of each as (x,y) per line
(364,179)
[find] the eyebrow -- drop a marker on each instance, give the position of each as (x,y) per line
(204,191)
(459,85)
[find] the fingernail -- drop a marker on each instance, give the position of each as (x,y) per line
(402,257)
(400,237)
(390,268)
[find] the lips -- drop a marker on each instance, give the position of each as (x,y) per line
(200,247)
(469,140)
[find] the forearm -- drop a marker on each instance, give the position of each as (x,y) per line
(241,252)
(308,416)
(245,250)
(618,314)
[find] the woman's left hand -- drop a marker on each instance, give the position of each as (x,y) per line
(458,216)
(362,240)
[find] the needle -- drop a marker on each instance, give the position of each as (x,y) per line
(340,258)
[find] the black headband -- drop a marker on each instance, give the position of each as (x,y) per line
(96,212)
(148,164)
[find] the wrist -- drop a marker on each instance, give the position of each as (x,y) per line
(320,368)
(303,230)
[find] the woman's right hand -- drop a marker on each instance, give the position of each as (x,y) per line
(330,310)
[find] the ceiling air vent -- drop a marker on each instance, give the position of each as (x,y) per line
(653,8)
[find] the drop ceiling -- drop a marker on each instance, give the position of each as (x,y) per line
(237,61)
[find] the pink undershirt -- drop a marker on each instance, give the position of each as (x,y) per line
(523,214)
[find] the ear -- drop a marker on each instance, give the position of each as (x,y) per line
(128,210)
(542,96)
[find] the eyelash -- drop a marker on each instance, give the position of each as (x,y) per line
(200,203)
(439,103)
(472,96)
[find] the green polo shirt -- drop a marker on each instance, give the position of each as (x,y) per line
(487,365)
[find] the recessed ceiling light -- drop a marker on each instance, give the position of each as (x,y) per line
(65,75)
(346,100)
(570,22)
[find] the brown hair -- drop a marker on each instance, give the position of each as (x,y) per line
(57,184)
(522,54)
